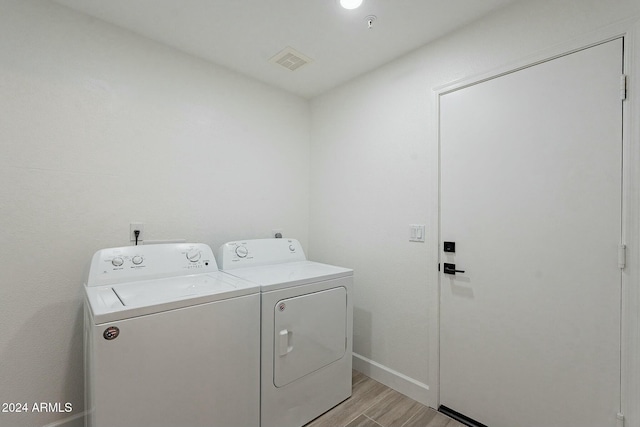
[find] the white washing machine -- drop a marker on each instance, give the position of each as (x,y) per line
(170,340)
(307,314)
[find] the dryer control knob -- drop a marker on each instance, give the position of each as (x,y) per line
(292,248)
(117,261)
(137,260)
(241,251)
(194,255)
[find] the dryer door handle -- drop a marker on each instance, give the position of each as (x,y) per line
(285,342)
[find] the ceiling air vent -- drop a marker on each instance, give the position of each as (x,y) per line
(290,59)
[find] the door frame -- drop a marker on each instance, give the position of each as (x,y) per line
(629,30)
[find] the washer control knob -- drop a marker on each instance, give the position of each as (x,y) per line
(292,248)
(117,261)
(137,260)
(194,255)
(241,251)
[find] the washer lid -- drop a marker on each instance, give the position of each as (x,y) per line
(172,289)
(126,300)
(279,276)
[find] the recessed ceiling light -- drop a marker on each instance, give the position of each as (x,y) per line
(351,4)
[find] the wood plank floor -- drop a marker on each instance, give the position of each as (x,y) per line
(375,405)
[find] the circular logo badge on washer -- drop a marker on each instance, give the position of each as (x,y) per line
(111,333)
(282,306)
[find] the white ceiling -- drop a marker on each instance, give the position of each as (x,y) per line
(244,34)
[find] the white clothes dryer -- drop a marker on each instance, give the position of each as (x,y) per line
(170,340)
(307,313)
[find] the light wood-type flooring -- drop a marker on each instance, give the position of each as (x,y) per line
(375,405)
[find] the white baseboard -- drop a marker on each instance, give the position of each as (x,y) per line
(73,421)
(397,381)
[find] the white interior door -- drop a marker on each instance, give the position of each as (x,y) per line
(531,167)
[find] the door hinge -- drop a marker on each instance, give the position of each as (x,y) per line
(619,419)
(623,87)
(622,256)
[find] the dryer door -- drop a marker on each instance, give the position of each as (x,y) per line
(310,333)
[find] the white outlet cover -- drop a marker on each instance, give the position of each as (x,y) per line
(136,226)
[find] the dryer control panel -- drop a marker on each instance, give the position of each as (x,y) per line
(253,253)
(143,262)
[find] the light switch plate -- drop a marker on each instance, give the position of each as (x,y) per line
(416,232)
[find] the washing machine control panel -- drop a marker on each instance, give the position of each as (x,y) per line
(194,255)
(132,263)
(253,253)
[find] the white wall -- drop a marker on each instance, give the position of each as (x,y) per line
(100,127)
(375,170)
